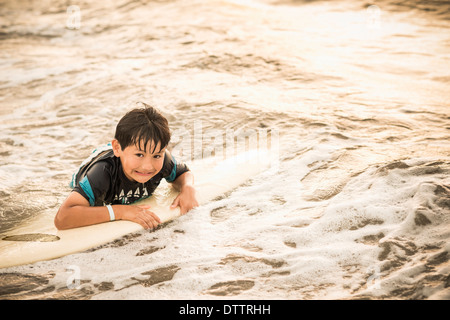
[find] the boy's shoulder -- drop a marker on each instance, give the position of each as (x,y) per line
(101,157)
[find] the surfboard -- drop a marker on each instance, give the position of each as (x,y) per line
(39,239)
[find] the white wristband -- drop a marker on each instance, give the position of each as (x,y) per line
(112,216)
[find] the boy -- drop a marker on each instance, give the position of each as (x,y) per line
(126,170)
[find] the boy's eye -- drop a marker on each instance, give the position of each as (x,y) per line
(157,156)
(139,155)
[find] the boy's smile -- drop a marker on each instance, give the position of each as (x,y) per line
(139,165)
(145,174)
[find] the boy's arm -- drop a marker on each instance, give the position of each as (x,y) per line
(77,212)
(186,200)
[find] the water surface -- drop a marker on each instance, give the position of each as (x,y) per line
(358,95)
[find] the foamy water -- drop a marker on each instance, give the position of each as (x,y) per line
(358,205)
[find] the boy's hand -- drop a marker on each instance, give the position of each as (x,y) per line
(186,200)
(141,215)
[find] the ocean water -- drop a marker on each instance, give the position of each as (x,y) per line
(355,95)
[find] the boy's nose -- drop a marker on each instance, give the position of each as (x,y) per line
(147,165)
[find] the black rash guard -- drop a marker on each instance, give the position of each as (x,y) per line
(101,180)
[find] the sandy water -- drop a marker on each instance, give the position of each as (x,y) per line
(359,204)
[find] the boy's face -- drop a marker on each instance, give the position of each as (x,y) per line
(139,165)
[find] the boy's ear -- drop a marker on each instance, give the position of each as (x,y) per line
(116,147)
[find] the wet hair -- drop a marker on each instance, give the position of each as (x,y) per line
(143,125)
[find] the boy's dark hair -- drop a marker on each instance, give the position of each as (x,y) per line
(145,125)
